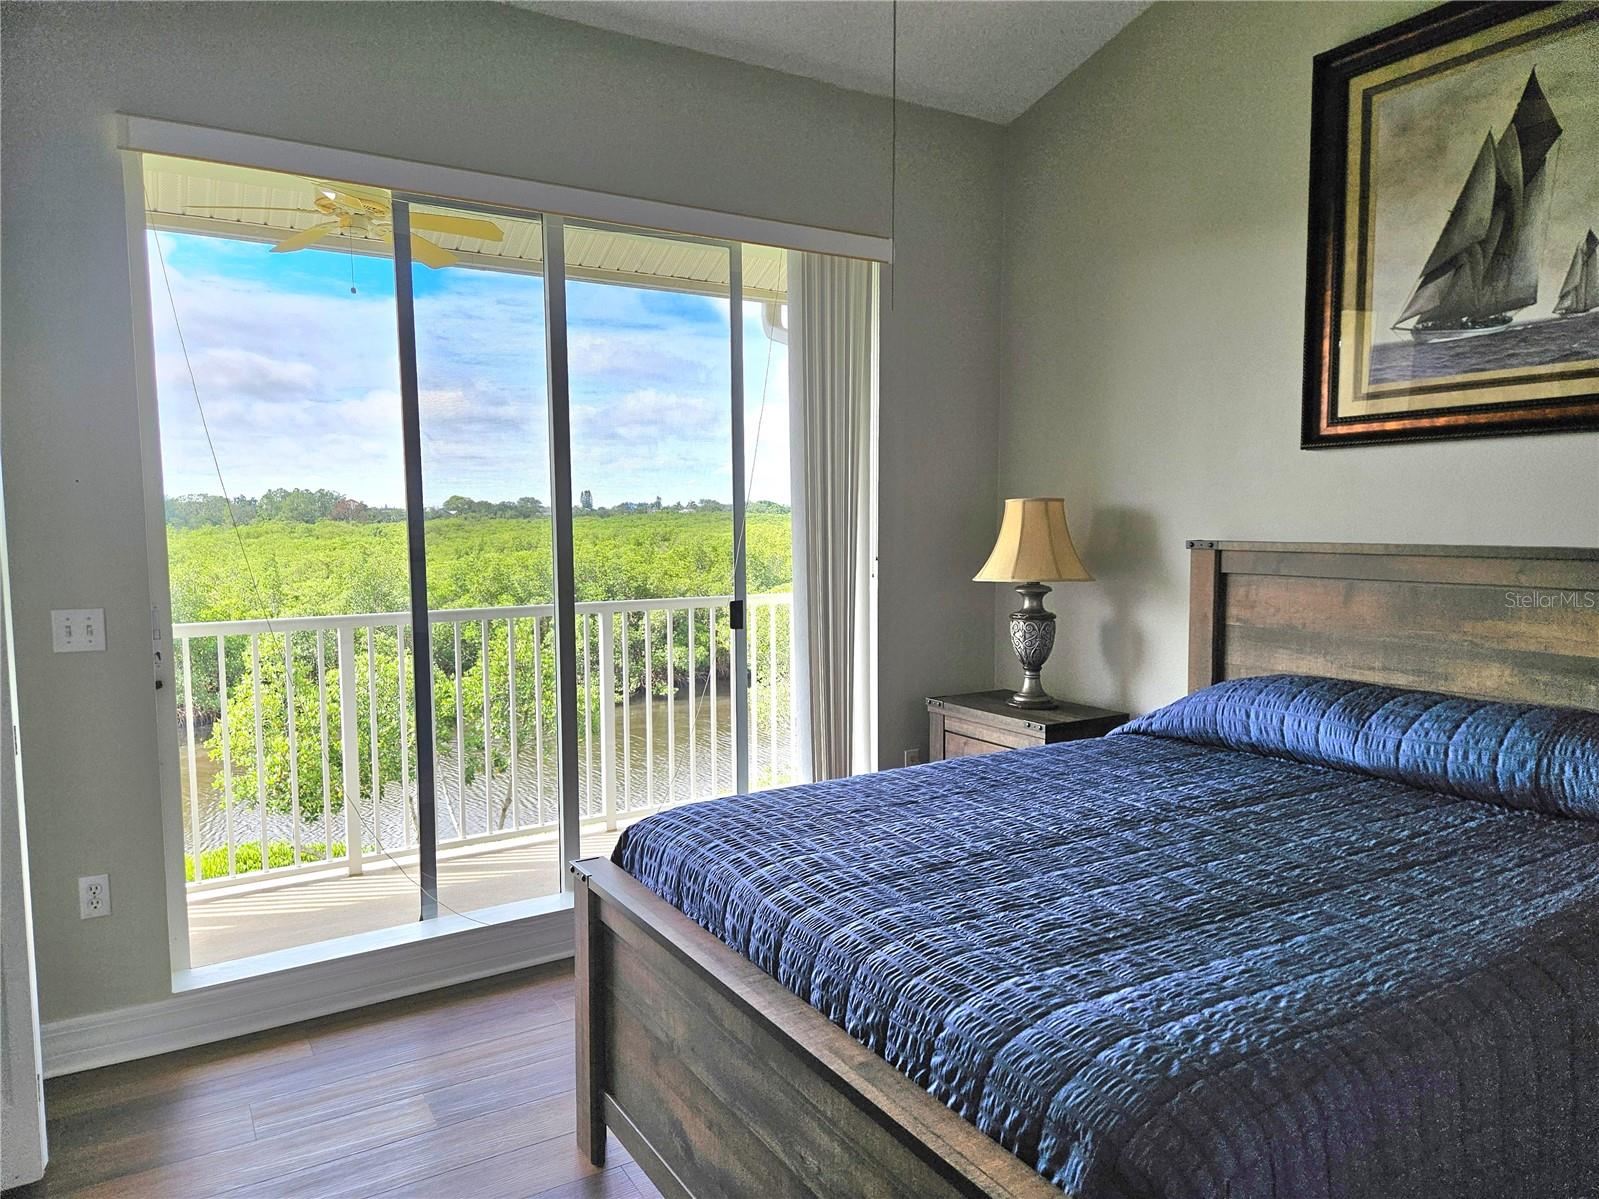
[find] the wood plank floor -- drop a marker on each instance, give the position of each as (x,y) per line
(466,1092)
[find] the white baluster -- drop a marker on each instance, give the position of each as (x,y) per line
(294,742)
(407,822)
(460,738)
(227,751)
(511,724)
(587,725)
(194,777)
(710,654)
(372,732)
(693,715)
(488,731)
(626,796)
(322,729)
(649,715)
(349,749)
(538,719)
(606,628)
(793,700)
(260,743)
(771,692)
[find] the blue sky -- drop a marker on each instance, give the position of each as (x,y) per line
(299,380)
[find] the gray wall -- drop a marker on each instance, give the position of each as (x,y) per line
(477,86)
(1153,298)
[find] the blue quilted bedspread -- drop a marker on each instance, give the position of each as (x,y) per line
(1287,937)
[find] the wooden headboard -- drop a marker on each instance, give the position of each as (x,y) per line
(1491,622)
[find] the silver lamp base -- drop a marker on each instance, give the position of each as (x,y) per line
(1032,636)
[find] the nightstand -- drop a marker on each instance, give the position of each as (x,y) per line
(981,722)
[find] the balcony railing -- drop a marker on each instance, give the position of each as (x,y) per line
(297,739)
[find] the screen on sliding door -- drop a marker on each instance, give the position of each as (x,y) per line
(478,292)
(273,306)
(649,342)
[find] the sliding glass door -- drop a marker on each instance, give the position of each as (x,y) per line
(283,468)
(483,407)
(656,523)
(465,572)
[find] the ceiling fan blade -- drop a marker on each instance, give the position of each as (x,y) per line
(304,238)
(357,203)
(429,254)
(350,192)
(461,226)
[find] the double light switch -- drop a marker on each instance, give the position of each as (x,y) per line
(77,630)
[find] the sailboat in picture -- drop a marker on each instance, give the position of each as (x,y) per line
(1579,293)
(1484,268)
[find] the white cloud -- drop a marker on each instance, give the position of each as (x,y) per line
(300,386)
(644,358)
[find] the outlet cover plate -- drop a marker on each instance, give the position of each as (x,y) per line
(77,630)
(94,896)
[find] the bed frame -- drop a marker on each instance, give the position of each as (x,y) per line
(723,1084)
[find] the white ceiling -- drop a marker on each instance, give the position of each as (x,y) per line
(990,59)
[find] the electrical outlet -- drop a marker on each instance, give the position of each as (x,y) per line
(94,896)
(913,757)
(77,630)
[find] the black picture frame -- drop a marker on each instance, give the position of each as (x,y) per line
(1324,423)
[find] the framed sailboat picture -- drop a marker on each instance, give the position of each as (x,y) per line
(1453,277)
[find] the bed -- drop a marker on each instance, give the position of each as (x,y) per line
(1292,936)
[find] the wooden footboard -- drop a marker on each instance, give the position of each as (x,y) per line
(722,1083)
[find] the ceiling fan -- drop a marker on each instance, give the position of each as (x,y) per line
(359,212)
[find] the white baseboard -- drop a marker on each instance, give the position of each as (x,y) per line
(456,951)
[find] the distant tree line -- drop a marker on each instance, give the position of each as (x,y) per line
(585,506)
(297,505)
(303,505)
(460,505)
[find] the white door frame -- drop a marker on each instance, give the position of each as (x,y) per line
(457,188)
(24,1146)
(155,533)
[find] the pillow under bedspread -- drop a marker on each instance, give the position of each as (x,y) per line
(1519,755)
(1155,968)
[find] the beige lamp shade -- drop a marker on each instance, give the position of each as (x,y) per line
(1034,546)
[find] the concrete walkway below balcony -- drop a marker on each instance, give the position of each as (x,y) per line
(259,918)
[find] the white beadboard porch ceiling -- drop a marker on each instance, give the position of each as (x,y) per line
(990,59)
(186,195)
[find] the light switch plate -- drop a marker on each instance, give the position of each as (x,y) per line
(77,630)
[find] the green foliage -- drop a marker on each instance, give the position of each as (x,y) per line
(247,858)
(478,557)
(285,779)
(287,568)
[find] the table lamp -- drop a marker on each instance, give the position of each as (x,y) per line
(1034,545)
